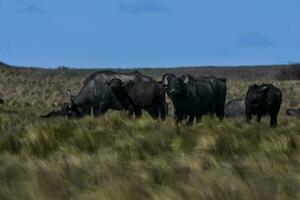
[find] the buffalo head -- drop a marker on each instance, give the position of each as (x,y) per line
(118,85)
(176,86)
(71,109)
(165,79)
(256,94)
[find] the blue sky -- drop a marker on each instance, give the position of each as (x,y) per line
(149,33)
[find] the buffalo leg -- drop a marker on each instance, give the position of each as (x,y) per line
(163,108)
(258,117)
(131,111)
(198,118)
(248,116)
(220,115)
(273,120)
(99,109)
(137,112)
(273,114)
(87,111)
(178,118)
(191,120)
(154,112)
(219,110)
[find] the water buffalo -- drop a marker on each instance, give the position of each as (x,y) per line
(191,98)
(219,89)
(261,100)
(293,112)
(1,101)
(140,94)
(59,113)
(95,95)
(235,107)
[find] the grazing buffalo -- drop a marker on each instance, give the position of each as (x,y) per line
(219,90)
(1,101)
(191,98)
(137,95)
(95,95)
(261,100)
(60,113)
(293,112)
(235,107)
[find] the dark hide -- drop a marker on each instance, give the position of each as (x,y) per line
(191,98)
(262,100)
(220,91)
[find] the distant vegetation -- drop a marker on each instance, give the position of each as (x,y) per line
(114,157)
(292,72)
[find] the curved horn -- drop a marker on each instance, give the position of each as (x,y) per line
(185,79)
(68,93)
(72,97)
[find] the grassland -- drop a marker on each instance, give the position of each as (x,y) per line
(113,157)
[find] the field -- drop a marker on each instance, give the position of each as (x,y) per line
(114,157)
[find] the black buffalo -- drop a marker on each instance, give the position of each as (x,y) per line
(191,98)
(140,94)
(59,113)
(261,100)
(219,90)
(95,95)
(293,112)
(235,107)
(1,101)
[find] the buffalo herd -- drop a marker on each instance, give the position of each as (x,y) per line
(192,97)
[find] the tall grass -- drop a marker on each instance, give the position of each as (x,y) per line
(114,157)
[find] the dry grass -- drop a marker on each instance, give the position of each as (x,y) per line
(113,157)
